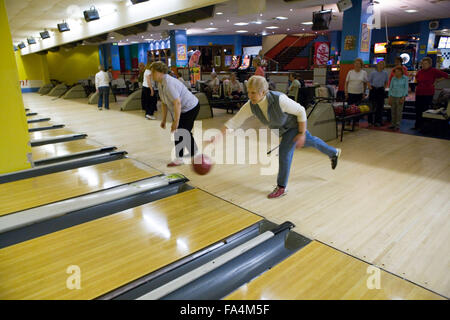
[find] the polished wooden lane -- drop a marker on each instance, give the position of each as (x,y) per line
(386,203)
(62,149)
(318,271)
(33,192)
(49,133)
(117,249)
(39,124)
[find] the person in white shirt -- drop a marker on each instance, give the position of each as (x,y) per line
(102,87)
(275,110)
(356,83)
(148,97)
(184,107)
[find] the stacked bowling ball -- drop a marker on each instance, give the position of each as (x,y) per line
(364,108)
(339,110)
(352,109)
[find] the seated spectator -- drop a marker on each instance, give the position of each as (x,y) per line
(235,88)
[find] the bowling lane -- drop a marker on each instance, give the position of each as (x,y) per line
(39,124)
(117,249)
(318,271)
(62,149)
(49,133)
(33,192)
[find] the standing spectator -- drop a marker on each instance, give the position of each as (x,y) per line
(102,87)
(110,75)
(378,81)
(257,64)
(426,78)
(293,88)
(148,97)
(141,72)
(398,63)
(356,83)
(398,90)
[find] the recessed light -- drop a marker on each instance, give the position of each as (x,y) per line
(309,22)
(111,37)
(241,31)
(219,13)
(170,24)
(260,14)
(148,39)
(291,10)
(272,27)
(211,24)
(228,20)
(210,29)
(241,24)
(410,10)
(288,29)
(281,18)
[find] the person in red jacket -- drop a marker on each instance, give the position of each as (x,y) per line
(398,62)
(426,78)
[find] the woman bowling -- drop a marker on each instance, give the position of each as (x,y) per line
(184,107)
(277,111)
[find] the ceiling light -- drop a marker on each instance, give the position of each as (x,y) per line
(148,39)
(272,27)
(260,14)
(111,37)
(291,10)
(309,22)
(228,20)
(281,18)
(219,13)
(241,31)
(211,24)
(170,24)
(410,10)
(210,29)
(241,24)
(288,29)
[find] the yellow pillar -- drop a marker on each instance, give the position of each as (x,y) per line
(14,138)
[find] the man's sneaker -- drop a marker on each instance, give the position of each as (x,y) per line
(99,109)
(149,117)
(175,163)
(277,192)
(334,159)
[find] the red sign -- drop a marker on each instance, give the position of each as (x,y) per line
(321,53)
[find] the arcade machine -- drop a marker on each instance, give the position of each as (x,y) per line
(194,67)
(380,52)
(235,63)
(242,72)
(405,48)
